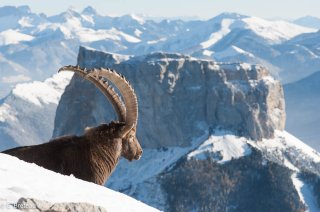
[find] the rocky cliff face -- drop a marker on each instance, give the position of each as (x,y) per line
(179,98)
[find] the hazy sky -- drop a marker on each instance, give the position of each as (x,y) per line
(288,9)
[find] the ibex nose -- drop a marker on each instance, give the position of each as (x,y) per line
(138,155)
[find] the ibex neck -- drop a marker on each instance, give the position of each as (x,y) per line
(107,155)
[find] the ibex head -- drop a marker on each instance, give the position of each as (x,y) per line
(127,111)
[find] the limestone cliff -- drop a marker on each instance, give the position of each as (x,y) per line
(179,98)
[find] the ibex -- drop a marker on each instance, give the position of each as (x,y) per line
(94,155)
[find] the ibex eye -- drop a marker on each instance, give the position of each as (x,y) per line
(130,138)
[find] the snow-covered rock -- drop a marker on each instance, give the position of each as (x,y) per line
(20,179)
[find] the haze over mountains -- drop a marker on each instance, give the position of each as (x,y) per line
(49,42)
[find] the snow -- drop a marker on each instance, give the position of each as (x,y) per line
(269,79)
(284,149)
(13,37)
(46,92)
(6,113)
(156,41)
(152,163)
(25,22)
(139,19)
(137,32)
(90,35)
(231,52)
(222,147)
(289,151)
(275,31)
(216,36)
(284,140)
(20,179)
(305,192)
(207,53)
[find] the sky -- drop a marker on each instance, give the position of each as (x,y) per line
(286,9)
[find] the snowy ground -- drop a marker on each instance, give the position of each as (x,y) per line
(20,179)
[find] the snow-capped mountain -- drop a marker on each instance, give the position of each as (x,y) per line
(21,181)
(27,113)
(33,46)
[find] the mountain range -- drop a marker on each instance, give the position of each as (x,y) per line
(49,42)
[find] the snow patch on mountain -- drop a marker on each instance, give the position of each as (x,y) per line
(275,31)
(13,37)
(290,151)
(7,113)
(232,51)
(20,179)
(221,147)
(25,22)
(216,36)
(284,149)
(305,192)
(46,92)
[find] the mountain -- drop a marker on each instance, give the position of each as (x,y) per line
(28,185)
(217,101)
(308,21)
(212,135)
(33,46)
(302,106)
(27,113)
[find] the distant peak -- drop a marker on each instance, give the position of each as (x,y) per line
(135,17)
(24,9)
(231,15)
(89,10)
(72,10)
(13,10)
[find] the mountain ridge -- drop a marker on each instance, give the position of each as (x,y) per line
(60,35)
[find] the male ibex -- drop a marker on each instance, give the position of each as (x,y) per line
(94,155)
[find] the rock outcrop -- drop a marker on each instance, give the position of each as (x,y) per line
(35,205)
(179,98)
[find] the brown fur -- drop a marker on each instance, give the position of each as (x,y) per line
(91,157)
